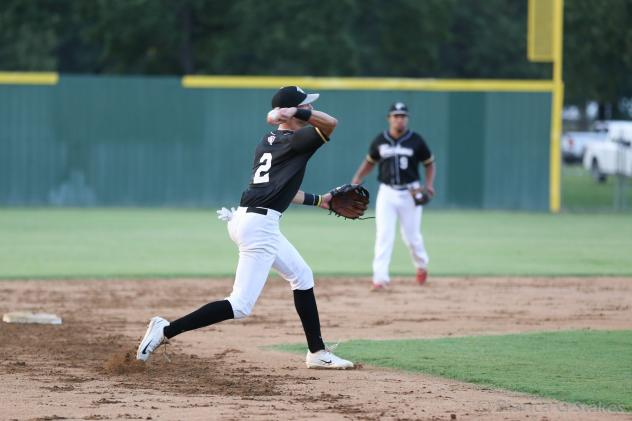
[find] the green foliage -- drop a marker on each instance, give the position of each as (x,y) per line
(57,243)
(400,38)
(488,39)
(588,367)
(598,50)
(28,37)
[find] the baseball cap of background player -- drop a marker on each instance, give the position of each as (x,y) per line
(292,96)
(398,108)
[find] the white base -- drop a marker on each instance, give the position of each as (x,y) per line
(28,317)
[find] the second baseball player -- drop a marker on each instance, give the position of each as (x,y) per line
(398,152)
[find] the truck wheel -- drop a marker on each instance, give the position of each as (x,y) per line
(596,173)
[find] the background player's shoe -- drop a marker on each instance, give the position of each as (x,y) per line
(422,275)
(378,287)
(326,359)
(153,338)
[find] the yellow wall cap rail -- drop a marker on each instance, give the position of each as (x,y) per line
(29,78)
(404,84)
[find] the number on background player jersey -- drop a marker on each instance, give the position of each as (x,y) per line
(262,175)
(403,162)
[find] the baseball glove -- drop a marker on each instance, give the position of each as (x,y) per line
(349,201)
(421,196)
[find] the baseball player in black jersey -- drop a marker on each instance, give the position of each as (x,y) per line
(278,169)
(398,152)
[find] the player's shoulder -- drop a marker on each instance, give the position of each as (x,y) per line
(420,144)
(276,137)
(380,137)
(417,136)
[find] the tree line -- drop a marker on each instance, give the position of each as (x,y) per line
(370,38)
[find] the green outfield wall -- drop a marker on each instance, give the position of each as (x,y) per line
(140,141)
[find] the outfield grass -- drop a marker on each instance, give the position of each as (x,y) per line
(581,192)
(589,367)
(163,242)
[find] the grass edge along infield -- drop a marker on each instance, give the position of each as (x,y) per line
(588,367)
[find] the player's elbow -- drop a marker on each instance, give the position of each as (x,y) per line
(334,123)
(331,126)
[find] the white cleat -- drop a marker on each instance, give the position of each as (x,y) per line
(153,338)
(326,359)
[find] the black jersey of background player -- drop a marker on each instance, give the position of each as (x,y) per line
(279,167)
(399,158)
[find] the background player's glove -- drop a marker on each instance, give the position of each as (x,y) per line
(349,201)
(421,195)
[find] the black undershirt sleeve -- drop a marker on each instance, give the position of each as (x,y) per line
(374,152)
(423,152)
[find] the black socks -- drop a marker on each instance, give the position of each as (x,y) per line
(209,314)
(218,311)
(305,304)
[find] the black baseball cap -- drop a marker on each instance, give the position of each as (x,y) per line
(398,108)
(292,96)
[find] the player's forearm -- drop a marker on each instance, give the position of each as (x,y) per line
(430,175)
(299,198)
(364,169)
(323,121)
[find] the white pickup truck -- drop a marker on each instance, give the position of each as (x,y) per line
(614,156)
(574,144)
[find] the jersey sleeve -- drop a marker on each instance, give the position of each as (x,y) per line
(424,155)
(374,151)
(308,139)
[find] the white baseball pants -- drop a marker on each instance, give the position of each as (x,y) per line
(262,246)
(390,205)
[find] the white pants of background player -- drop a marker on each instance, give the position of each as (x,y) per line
(391,205)
(261,247)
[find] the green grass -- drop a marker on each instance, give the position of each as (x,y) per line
(589,367)
(581,192)
(164,242)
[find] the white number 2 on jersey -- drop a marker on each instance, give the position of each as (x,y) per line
(262,175)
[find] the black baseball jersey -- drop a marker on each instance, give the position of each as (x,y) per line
(279,167)
(399,158)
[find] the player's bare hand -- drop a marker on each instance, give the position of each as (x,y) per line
(430,189)
(275,118)
(287,113)
(324,203)
(280,115)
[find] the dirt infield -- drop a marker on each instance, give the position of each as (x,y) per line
(85,368)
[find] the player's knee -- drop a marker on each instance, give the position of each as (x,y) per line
(305,280)
(414,241)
